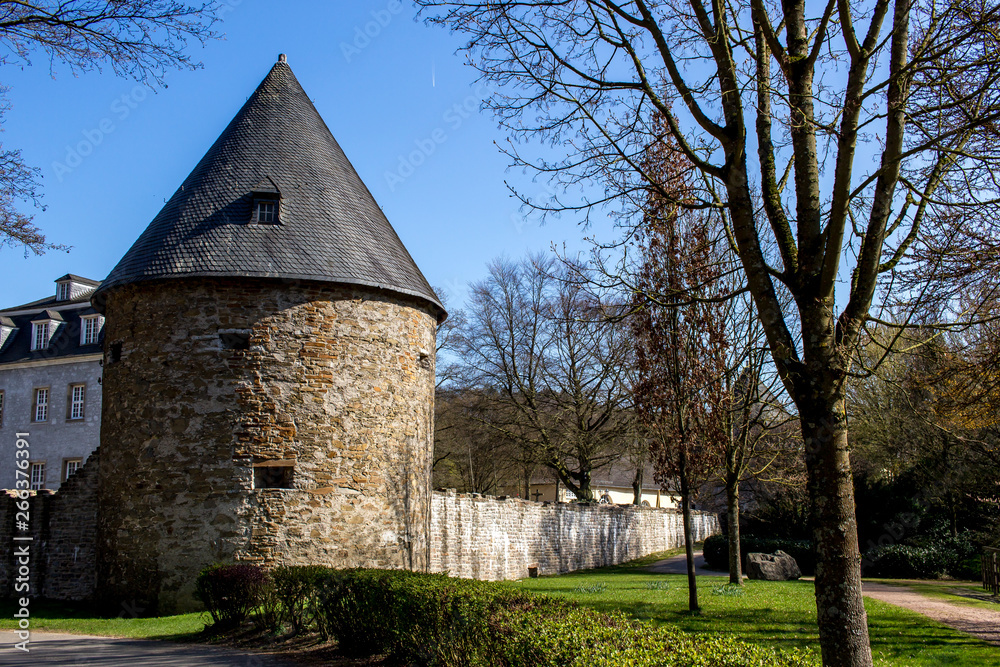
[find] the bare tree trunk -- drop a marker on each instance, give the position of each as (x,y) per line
(843,622)
(688,542)
(733,504)
(585,492)
(637,487)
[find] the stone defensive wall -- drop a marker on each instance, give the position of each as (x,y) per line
(482,537)
(471,536)
(62,549)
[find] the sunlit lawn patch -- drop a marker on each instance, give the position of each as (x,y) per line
(780,614)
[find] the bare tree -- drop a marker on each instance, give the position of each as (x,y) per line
(538,347)
(869,128)
(141,39)
(468,454)
(754,441)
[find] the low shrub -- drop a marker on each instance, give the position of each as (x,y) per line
(436,620)
(232,592)
(430,619)
(296,588)
(716,550)
(933,559)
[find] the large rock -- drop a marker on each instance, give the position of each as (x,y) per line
(778,566)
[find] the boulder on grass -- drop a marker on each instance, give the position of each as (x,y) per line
(778,566)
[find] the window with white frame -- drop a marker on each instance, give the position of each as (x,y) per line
(40,412)
(70,467)
(91,329)
(40,335)
(64,292)
(77,396)
(38,476)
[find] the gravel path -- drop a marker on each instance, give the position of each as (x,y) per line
(981,623)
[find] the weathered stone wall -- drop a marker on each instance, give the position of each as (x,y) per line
(336,381)
(481,537)
(71,542)
(471,536)
(63,531)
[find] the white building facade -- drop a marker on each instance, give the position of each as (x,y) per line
(50,385)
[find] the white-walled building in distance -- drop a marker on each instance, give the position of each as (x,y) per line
(50,384)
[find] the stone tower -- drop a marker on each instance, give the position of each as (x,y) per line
(268,371)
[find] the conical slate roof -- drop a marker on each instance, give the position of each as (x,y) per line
(330,228)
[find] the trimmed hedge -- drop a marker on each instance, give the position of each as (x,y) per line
(716,551)
(434,620)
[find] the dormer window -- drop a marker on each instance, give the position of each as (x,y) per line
(90,329)
(266,203)
(266,211)
(43,329)
(6,329)
(40,333)
(72,286)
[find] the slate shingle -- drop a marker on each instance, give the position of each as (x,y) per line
(331,229)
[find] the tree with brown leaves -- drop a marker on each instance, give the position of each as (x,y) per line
(678,330)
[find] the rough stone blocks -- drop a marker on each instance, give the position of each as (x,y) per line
(211,383)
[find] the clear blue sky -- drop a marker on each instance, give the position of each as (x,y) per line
(400,88)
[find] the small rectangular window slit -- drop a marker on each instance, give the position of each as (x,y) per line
(235,340)
(276,474)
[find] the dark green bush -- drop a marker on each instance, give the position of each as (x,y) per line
(932,559)
(716,551)
(232,592)
(296,588)
(432,619)
(900,561)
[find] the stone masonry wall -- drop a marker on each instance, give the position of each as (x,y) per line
(334,381)
(63,531)
(471,536)
(481,537)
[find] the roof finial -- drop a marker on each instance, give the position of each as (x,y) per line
(282,58)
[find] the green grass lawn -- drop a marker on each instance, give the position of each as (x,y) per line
(81,619)
(781,614)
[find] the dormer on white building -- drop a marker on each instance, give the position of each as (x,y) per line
(91,323)
(7,329)
(71,287)
(43,328)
